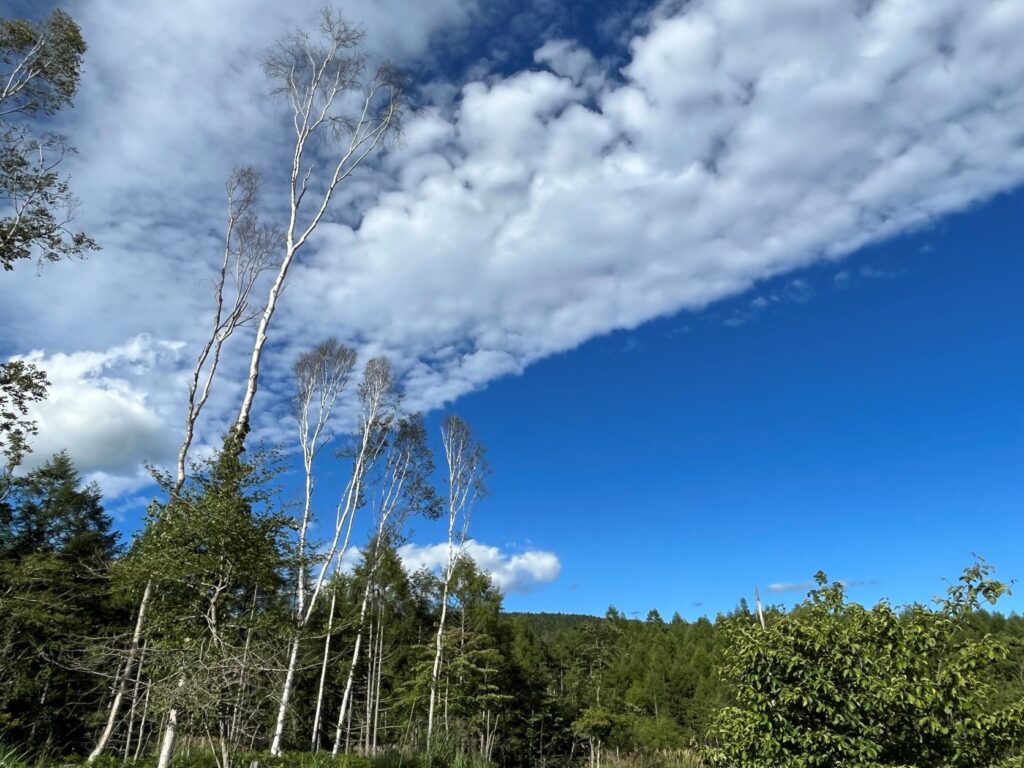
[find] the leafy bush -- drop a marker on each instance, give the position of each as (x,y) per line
(834,683)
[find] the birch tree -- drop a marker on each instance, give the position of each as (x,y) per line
(378,401)
(404,490)
(317,76)
(320,377)
(320,77)
(467,468)
(250,249)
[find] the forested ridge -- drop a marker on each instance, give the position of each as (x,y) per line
(244,624)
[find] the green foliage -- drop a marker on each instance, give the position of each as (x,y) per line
(216,555)
(40,63)
(828,683)
(834,683)
(39,68)
(40,198)
(20,385)
(55,549)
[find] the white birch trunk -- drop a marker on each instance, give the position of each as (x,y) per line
(380,665)
(315,742)
(135,701)
(282,710)
(142,727)
(371,652)
(347,695)
(436,672)
(466,467)
(115,704)
(170,735)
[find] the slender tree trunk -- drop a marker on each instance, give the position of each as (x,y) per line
(344,522)
(242,681)
(142,726)
(371,648)
(135,701)
(282,710)
(170,736)
(225,753)
(466,468)
(447,689)
(438,645)
(347,696)
(380,665)
(315,744)
(115,704)
(348,732)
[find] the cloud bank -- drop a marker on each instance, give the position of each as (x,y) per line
(526,213)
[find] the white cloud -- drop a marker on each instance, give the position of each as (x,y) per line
(790,586)
(109,410)
(742,144)
(350,559)
(510,572)
(569,59)
(525,214)
(782,587)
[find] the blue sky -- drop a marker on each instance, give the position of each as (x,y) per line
(730,290)
(871,429)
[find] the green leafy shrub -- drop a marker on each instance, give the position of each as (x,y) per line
(836,684)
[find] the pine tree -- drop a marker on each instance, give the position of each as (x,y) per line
(56,547)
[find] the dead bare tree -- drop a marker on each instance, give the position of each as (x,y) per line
(467,468)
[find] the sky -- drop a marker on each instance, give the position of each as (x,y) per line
(730,291)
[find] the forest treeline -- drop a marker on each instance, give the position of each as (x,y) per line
(945,683)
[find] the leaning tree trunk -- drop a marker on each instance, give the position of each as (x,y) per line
(115,705)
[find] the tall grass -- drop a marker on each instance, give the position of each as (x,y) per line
(11,758)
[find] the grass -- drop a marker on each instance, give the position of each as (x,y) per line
(442,755)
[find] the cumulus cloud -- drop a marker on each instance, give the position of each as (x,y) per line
(740,143)
(527,213)
(510,572)
(108,409)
